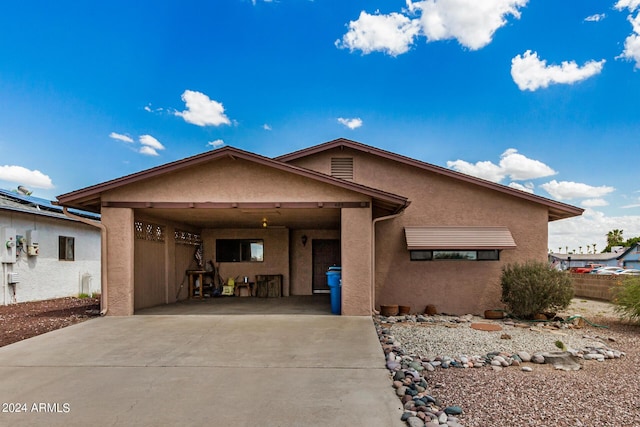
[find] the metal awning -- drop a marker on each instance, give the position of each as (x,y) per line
(435,238)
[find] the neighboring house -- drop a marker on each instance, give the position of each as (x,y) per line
(630,258)
(44,253)
(404,231)
(619,257)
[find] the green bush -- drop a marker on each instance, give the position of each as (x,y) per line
(533,287)
(627,298)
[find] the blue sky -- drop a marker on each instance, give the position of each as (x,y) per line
(541,95)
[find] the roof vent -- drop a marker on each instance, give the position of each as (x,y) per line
(342,167)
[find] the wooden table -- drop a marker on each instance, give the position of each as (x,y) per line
(192,275)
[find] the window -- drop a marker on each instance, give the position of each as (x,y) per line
(239,250)
(421,255)
(66,251)
(470,255)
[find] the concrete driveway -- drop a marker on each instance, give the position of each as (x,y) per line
(204,370)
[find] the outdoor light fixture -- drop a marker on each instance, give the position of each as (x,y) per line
(264,222)
(304,240)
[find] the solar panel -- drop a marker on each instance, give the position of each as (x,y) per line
(44,204)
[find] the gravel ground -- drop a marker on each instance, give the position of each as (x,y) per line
(600,394)
(28,319)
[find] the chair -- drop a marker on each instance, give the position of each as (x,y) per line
(228,289)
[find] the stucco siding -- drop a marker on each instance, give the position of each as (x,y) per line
(45,276)
(356,242)
(436,200)
(120,255)
(227,180)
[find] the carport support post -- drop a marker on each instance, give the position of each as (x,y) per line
(120,259)
(356,232)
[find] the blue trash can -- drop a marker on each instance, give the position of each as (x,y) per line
(334,280)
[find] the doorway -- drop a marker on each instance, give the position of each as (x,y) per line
(325,253)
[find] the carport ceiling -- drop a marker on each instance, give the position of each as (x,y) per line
(316,218)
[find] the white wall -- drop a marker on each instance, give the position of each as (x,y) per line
(44,276)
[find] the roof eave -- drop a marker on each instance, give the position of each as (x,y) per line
(557,210)
(89,198)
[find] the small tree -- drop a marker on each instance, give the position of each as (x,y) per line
(627,298)
(533,287)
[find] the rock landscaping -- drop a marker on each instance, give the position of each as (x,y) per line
(417,345)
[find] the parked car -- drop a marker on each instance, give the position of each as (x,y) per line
(630,272)
(607,270)
(588,268)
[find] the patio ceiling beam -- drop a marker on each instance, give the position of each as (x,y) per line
(235,205)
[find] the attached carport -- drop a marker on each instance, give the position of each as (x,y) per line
(153,219)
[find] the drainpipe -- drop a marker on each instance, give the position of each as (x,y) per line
(104,305)
(373,256)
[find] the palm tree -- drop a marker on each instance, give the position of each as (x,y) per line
(580,248)
(614,238)
(594,248)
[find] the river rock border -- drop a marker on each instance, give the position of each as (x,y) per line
(421,408)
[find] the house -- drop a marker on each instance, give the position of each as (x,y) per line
(45,254)
(403,231)
(630,258)
(620,256)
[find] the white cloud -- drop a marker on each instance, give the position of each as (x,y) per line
(595,18)
(471,22)
(484,169)
(148,151)
(353,123)
(152,110)
(215,144)
(531,73)
(627,4)
(512,164)
(593,203)
(592,227)
(201,110)
(519,167)
(631,50)
(24,176)
(120,137)
(149,141)
(527,188)
(266,127)
(570,190)
(393,34)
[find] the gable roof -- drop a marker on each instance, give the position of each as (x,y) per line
(557,210)
(89,198)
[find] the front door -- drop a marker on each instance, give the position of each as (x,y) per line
(325,253)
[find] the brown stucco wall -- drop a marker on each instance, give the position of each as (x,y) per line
(452,286)
(227,180)
(356,262)
(120,251)
(301,258)
(276,253)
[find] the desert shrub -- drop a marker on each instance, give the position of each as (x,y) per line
(626,297)
(533,287)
